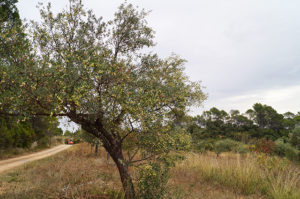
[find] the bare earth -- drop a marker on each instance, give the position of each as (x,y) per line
(14,162)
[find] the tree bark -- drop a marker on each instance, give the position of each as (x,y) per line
(128,187)
(96,149)
(113,145)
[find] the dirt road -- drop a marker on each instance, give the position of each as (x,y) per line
(14,162)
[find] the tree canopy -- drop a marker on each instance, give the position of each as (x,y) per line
(262,121)
(95,73)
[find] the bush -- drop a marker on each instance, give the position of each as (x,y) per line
(241,148)
(43,142)
(226,145)
(6,139)
(286,150)
(265,146)
(59,140)
(152,181)
(204,145)
(295,137)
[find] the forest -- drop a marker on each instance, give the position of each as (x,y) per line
(262,126)
(34,133)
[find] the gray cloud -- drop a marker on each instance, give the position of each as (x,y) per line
(237,48)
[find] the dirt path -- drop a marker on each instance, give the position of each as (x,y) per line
(14,162)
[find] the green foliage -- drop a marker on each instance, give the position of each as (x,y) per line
(95,73)
(43,142)
(243,137)
(152,181)
(81,136)
(215,122)
(21,134)
(204,145)
(295,137)
(15,135)
(241,148)
(6,139)
(68,133)
(227,145)
(260,122)
(16,58)
(9,11)
(286,150)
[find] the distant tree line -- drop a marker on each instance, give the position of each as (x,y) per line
(21,134)
(262,121)
(261,126)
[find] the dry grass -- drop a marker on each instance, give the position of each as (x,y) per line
(78,173)
(242,176)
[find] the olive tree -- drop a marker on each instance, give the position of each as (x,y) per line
(97,74)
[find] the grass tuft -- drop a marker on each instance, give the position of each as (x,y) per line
(265,177)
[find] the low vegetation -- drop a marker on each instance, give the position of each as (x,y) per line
(79,173)
(75,173)
(266,177)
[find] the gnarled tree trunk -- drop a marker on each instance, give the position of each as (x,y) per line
(113,145)
(124,174)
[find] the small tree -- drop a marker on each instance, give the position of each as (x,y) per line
(225,145)
(286,149)
(94,73)
(295,137)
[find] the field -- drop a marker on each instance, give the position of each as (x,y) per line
(79,173)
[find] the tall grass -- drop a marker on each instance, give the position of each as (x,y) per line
(270,177)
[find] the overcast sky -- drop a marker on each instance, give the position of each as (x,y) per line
(243,51)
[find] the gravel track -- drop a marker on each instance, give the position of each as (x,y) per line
(14,162)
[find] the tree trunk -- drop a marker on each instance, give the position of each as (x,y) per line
(92,146)
(96,149)
(124,175)
(114,147)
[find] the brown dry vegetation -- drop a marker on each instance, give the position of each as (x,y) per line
(75,173)
(236,176)
(78,173)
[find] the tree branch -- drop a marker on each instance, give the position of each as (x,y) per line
(33,114)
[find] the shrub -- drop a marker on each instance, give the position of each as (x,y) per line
(59,140)
(204,145)
(286,149)
(152,181)
(225,146)
(295,137)
(241,148)
(43,142)
(265,146)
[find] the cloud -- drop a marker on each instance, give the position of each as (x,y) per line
(243,51)
(282,99)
